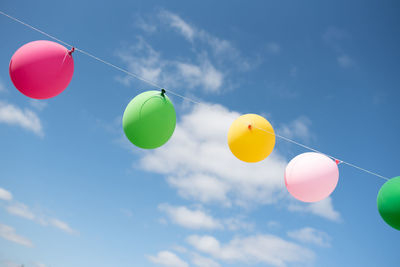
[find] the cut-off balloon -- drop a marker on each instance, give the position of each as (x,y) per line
(389,202)
(149,120)
(41,69)
(311,177)
(251,138)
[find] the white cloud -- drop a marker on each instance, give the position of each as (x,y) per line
(323,208)
(204,169)
(335,38)
(38,264)
(142,24)
(146,62)
(142,60)
(267,249)
(203,261)
(22,210)
(177,23)
(61,225)
(297,129)
(222,49)
(201,187)
(26,118)
(208,68)
(311,235)
(345,61)
(205,75)
(179,249)
(192,219)
(5,195)
(168,258)
(8,233)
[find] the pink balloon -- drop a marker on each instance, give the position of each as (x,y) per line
(41,69)
(311,177)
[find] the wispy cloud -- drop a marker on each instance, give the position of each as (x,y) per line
(20,210)
(335,38)
(24,211)
(267,249)
(5,195)
(148,63)
(168,258)
(61,225)
(297,129)
(178,24)
(201,261)
(143,25)
(8,233)
(192,219)
(219,47)
(27,119)
(208,64)
(311,236)
(323,208)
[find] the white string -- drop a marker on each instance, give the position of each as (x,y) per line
(99,59)
(317,151)
(35,29)
(176,94)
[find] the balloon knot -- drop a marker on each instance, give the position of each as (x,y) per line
(71,51)
(338,161)
(249,127)
(163,92)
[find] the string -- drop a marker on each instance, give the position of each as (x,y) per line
(99,59)
(317,151)
(179,95)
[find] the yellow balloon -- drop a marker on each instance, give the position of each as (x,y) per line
(251,138)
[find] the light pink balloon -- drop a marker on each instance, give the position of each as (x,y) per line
(41,69)
(311,177)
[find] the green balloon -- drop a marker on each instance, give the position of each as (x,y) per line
(149,120)
(389,202)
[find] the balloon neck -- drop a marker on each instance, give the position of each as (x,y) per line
(71,51)
(163,92)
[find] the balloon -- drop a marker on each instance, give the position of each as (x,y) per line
(149,120)
(389,202)
(311,177)
(251,138)
(41,69)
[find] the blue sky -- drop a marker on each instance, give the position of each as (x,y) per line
(75,192)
